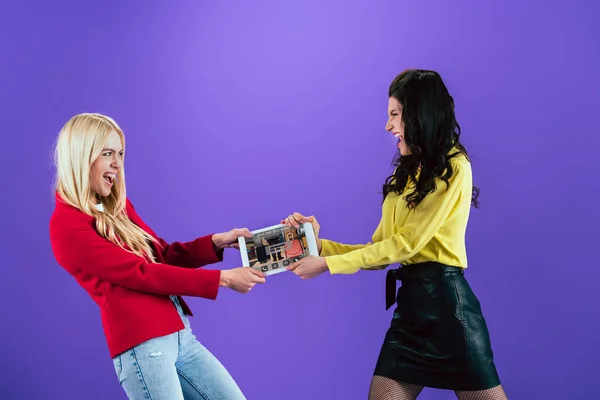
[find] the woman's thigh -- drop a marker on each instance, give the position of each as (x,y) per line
(201,374)
(148,370)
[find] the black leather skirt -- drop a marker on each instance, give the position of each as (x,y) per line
(438,336)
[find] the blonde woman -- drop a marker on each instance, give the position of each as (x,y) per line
(135,277)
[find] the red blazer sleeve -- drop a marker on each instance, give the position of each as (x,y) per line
(194,254)
(80,249)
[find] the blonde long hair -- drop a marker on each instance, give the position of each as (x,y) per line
(79,143)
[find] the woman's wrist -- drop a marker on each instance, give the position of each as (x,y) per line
(224,280)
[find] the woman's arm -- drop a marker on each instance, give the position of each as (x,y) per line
(194,254)
(331,248)
(424,221)
(80,250)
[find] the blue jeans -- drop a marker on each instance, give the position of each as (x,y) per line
(174,367)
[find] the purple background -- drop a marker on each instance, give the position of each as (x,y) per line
(237,114)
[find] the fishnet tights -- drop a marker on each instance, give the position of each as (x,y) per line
(495,393)
(388,389)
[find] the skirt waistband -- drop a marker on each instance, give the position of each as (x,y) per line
(413,271)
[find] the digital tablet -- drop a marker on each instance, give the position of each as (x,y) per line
(272,249)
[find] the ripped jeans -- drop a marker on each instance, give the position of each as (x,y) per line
(174,367)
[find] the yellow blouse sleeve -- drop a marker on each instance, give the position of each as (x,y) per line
(331,248)
(423,222)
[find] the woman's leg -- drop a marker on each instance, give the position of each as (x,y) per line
(496,393)
(388,389)
(148,370)
(202,376)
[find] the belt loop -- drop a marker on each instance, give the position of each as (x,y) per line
(390,288)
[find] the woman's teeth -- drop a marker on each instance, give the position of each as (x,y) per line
(109,178)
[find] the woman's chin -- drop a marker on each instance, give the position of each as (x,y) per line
(105,192)
(403,151)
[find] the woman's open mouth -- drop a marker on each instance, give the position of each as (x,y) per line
(109,178)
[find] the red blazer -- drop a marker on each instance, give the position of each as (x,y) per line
(132,293)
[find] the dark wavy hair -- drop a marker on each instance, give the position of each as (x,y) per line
(430,132)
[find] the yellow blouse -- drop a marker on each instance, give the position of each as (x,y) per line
(432,231)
